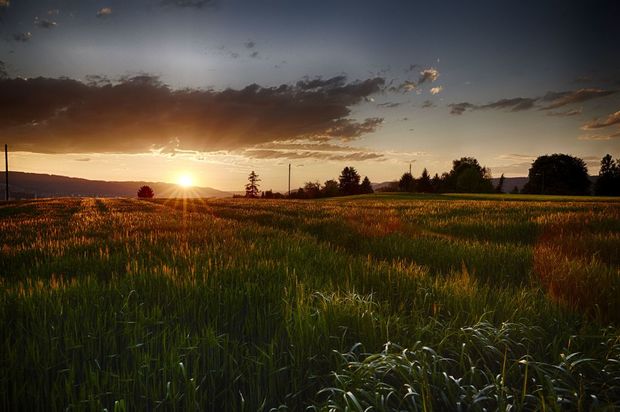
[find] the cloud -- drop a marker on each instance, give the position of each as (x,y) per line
(83,159)
(249,44)
(436,90)
(460,108)
(428,75)
(559,99)
(551,100)
(389,105)
(3,72)
(140,114)
(516,104)
(104,12)
(408,86)
(611,119)
(44,24)
(310,150)
(566,113)
(427,104)
(254,54)
(22,37)
(600,137)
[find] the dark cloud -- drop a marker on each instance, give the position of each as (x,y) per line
(559,99)
(141,114)
(613,118)
(22,37)
(249,44)
(389,105)
(460,108)
(516,104)
(254,54)
(83,159)
(551,100)
(44,23)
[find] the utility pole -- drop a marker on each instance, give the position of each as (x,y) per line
(289,180)
(409,168)
(6,172)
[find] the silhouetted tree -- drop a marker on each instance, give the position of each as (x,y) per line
(436,183)
(330,188)
(145,192)
(251,188)
(515,190)
(500,185)
(608,182)
(558,174)
(349,181)
(312,190)
(468,176)
(366,187)
(406,183)
(424,183)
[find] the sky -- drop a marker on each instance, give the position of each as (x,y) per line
(158,89)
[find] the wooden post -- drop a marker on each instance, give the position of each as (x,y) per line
(6,172)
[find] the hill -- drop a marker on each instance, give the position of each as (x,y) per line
(24,185)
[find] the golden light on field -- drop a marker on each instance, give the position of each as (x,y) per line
(185,180)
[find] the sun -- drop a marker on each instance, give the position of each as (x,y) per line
(186,180)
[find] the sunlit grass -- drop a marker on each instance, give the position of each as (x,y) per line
(236,304)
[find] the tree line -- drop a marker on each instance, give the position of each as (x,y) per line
(556,174)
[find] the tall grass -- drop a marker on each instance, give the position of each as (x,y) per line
(237,305)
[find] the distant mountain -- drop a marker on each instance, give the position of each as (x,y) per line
(30,185)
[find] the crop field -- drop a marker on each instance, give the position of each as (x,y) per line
(371,303)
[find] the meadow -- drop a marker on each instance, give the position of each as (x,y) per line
(349,304)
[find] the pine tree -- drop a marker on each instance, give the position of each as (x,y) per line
(406,183)
(349,181)
(251,188)
(366,187)
(424,183)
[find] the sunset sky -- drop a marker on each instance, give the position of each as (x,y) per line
(155,89)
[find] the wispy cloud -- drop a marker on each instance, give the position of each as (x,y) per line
(610,120)
(551,100)
(104,12)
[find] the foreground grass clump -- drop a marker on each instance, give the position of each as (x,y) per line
(413,304)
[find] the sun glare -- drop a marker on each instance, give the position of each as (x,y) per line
(185,181)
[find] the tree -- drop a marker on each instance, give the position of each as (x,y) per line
(251,188)
(436,183)
(424,183)
(366,187)
(145,192)
(608,182)
(330,188)
(349,181)
(500,185)
(406,183)
(312,189)
(468,176)
(558,174)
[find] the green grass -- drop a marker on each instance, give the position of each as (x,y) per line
(433,303)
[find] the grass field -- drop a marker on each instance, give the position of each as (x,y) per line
(390,302)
